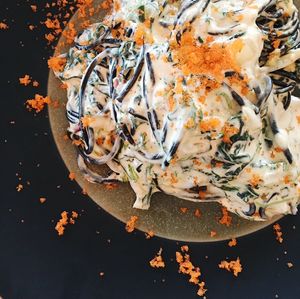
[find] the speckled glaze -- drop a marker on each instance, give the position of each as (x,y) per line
(164,216)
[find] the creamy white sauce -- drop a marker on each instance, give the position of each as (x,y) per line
(277,188)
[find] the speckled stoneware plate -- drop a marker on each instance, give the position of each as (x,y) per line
(164,217)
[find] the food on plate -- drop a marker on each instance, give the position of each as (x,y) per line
(190,98)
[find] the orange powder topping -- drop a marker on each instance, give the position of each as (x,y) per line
(229,131)
(70,33)
(38,103)
(130,225)
(226,219)
(207,58)
(157,261)
(57,64)
(62,222)
(232,266)
(25,80)
(209,124)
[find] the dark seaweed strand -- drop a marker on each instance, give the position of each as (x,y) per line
(135,76)
(150,67)
(275,130)
(188,4)
(171,153)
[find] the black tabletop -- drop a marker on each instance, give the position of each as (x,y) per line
(36,263)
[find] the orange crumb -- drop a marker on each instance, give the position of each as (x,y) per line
(232,266)
(42,199)
(183,210)
(197,213)
(72,176)
(184,248)
(3,26)
(229,131)
(278,232)
(25,80)
(34,8)
(49,37)
(130,225)
(209,124)
(226,219)
(38,103)
(35,83)
(298,119)
(276,43)
(149,234)
(87,120)
(213,233)
(31,27)
(232,242)
(63,86)
(111,186)
(74,214)
(70,33)
(186,267)
(20,187)
(57,64)
(208,58)
(255,180)
(62,222)
(157,261)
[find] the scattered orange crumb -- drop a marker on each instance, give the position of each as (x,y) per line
(183,210)
(70,33)
(20,187)
(255,180)
(298,119)
(42,199)
(57,64)
(62,222)
(232,266)
(213,233)
(197,213)
(232,242)
(157,261)
(34,8)
(86,120)
(226,219)
(38,103)
(3,26)
(278,232)
(111,186)
(130,225)
(35,83)
(25,80)
(290,265)
(72,176)
(149,234)
(186,267)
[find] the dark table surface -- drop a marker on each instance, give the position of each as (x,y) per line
(36,263)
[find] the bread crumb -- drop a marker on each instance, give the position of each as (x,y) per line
(3,26)
(183,210)
(232,242)
(38,103)
(278,232)
(149,234)
(130,225)
(232,266)
(197,213)
(20,187)
(42,199)
(213,233)
(157,261)
(25,80)
(186,267)
(72,176)
(226,219)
